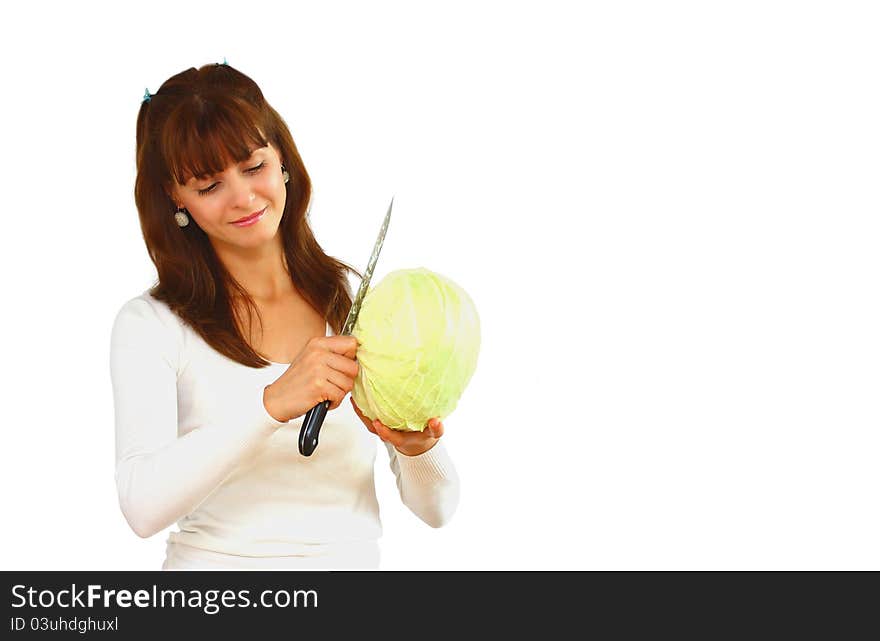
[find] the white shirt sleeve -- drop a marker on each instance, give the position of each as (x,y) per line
(428,483)
(159,477)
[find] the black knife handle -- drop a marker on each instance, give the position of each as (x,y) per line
(308,433)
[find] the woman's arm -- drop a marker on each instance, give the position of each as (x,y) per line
(428,483)
(426,478)
(160,478)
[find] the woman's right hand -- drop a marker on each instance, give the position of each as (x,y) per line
(324,370)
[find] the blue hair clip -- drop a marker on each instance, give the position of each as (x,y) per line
(224,61)
(147,96)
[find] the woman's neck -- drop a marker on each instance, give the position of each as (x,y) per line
(262,271)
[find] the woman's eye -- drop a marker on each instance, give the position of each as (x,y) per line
(252,170)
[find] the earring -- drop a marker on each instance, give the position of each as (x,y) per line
(181,218)
(285,174)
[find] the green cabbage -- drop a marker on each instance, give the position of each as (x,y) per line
(419,337)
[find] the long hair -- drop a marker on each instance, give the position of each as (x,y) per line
(199,122)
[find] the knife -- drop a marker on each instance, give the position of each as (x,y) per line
(308,433)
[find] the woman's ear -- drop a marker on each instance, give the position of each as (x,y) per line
(172,195)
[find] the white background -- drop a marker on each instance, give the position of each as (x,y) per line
(666,214)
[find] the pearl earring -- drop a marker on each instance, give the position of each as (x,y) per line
(285,174)
(181,218)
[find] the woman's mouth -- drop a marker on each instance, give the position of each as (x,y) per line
(250,220)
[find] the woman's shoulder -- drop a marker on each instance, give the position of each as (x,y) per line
(145,314)
(147,304)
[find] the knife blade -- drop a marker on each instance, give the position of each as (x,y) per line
(314,419)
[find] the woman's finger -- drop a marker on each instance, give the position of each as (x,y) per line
(357,410)
(345,345)
(387,434)
(367,422)
(435,426)
(342,364)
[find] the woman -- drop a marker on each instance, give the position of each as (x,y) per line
(215,366)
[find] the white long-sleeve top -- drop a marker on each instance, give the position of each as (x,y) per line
(196,446)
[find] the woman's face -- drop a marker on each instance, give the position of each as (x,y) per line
(239,208)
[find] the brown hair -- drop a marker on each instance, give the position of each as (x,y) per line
(199,122)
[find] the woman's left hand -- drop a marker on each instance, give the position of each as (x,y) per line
(408,443)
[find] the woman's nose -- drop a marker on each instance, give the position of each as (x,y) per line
(242,193)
